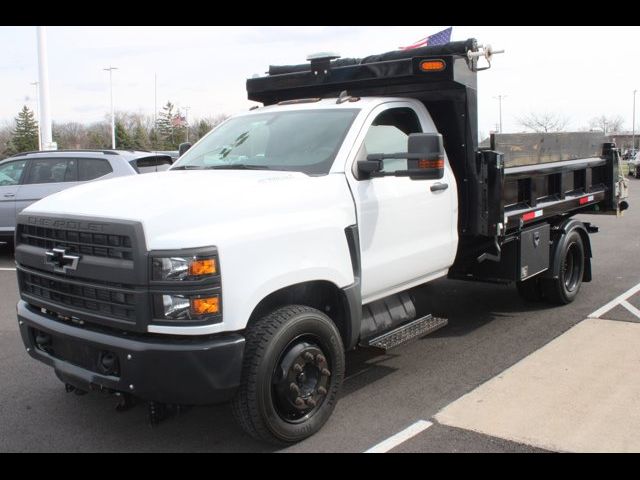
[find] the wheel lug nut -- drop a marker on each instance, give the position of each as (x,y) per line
(297,368)
(311,402)
(325,372)
(294,388)
(308,356)
(320,359)
(322,390)
(299,402)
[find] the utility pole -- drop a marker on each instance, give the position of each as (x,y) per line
(43,80)
(186,121)
(113,119)
(37,84)
(500,97)
(633,122)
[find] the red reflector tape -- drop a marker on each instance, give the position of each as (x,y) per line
(586,199)
(531,215)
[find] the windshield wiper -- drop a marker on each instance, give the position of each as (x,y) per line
(237,166)
(187,167)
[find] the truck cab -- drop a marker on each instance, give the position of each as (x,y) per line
(292,233)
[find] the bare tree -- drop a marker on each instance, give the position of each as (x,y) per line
(544,122)
(606,124)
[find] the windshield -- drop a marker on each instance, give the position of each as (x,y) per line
(305,141)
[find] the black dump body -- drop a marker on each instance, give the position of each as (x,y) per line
(515,183)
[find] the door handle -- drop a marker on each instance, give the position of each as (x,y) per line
(437,187)
(9,195)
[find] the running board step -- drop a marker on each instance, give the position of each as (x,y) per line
(407,332)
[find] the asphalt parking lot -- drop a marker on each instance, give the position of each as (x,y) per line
(490,330)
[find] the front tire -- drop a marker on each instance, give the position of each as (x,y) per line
(565,288)
(292,373)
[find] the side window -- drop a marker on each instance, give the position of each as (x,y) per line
(52,170)
(92,168)
(11,172)
(389,133)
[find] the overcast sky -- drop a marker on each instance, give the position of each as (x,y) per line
(579,72)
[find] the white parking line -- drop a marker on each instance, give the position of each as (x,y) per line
(615,302)
(400,437)
(7,269)
(631,308)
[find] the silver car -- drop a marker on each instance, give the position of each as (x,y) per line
(634,165)
(27,177)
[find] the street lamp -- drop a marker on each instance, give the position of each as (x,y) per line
(633,122)
(500,97)
(113,121)
(37,85)
(186,121)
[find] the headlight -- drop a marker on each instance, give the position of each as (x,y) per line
(183,268)
(185,307)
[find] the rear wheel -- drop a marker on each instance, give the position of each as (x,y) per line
(565,288)
(293,370)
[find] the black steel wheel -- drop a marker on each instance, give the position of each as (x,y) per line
(565,288)
(293,370)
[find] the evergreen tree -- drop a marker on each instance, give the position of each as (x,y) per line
(140,137)
(171,128)
(203,127)
(164,127)
(123,139)
(25,135)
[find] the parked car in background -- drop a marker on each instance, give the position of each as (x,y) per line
(31,176)
(634,165)
(174,154)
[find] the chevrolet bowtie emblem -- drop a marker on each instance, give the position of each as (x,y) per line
(61,260)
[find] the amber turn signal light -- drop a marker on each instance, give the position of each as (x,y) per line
(204,306)
(432,65)
(203,267)
(431,163)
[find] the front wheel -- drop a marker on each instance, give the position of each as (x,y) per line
(565,288)
(292,373)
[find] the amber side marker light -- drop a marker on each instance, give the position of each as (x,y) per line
(432,65)
(203,306)
(203,267)
(431,163)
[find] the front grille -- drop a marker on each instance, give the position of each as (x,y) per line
(110,300)
(86,243)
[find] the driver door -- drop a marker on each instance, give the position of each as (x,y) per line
(407,228)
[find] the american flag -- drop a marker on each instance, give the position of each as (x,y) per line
(439,38)
(178,121)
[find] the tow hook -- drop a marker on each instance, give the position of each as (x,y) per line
(126,401)
(157,412)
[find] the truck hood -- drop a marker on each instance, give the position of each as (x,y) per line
(222,203)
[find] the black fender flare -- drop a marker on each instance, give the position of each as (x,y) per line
(560,233)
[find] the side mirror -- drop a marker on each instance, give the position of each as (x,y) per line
(425,159)
(183,147)
(426,156)
(366,168)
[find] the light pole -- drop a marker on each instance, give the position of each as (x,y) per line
(113,120)
(633,122)
(37,84)
(500,97)
(43,81)
(186,121)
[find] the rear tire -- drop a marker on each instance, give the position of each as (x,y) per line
(292,373)
(565,288)
(530,289)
